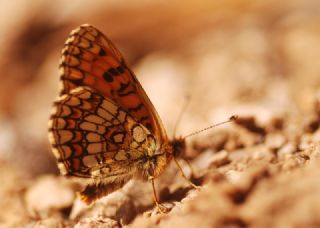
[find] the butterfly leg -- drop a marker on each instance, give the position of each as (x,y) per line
(184,176)
(162,209)
(190,167)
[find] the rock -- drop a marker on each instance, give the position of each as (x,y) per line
(219,159)
(287,150)
(97,223)
(117,205)
(48,194)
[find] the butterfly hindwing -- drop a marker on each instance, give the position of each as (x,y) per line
(93,137)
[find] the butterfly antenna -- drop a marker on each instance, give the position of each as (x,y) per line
(182,111)
(232,118)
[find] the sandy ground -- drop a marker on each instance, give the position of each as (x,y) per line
(258,60)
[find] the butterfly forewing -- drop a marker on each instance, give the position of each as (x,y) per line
(90,59)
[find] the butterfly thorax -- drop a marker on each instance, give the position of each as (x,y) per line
(156,161)
(155,158)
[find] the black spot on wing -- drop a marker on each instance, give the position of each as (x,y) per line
(123,87)
(127,93)
(107,76)
(120,69)
(113,71)
(135,109)
(102,52)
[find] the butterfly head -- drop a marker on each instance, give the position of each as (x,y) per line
(178,146)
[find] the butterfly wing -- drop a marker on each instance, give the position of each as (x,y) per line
(90,59)
(93,137)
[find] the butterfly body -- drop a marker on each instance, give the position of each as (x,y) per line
(103,126)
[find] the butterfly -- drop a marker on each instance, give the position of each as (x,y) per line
(103,126)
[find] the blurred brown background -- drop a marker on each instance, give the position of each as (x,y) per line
(256,57)
(251,58)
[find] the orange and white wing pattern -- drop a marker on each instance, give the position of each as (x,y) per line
(90,59)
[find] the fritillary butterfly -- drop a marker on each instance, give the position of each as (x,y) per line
(103,126)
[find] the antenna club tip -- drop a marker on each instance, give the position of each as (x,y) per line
(234,117)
